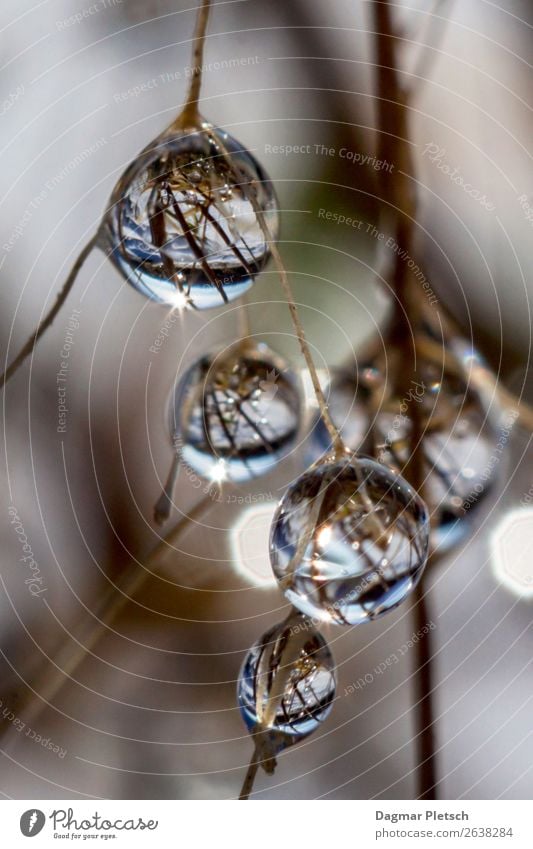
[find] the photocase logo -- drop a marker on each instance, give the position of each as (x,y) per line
(32,822)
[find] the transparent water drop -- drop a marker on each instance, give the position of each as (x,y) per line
(234,415)
(458,439)
(287,683)
(349,541)
(181,225)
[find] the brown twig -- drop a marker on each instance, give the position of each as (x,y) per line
(49,318)
(250,776)
(73,652)
(251,189)
(423,686)
(163,507)
(479,376)
(190,115)
(397,190)
(336,439)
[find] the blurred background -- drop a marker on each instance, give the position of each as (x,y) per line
(151,711)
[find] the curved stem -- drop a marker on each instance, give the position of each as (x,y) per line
(49,318)
(336,439)
(250,189)
(397,190)
(510,401)
(479,376)
(250,776)
(190,115)
(164,505)
(73,652)
(426,765)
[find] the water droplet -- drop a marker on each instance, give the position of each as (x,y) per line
(287,682)
(457,439)
(358,501)
(213,419)
(181,224)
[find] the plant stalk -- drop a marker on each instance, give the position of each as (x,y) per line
(49,318)
(190,114)
(73,652)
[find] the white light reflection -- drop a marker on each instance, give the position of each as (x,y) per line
(250,543)
(219,472)
(512,546)
(180,301)
(324,536)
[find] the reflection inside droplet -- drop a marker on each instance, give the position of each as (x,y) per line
(287,683)
(182,221)
(219,472)
(321,515)
(235,414)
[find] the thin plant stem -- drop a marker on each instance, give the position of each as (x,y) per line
(393,128)
(423,683)
(251,190)
(479,376)
(49,318)
(336,439)
(74,651)
(339,448)
(190,115)
(508,399)
(164,505)
(249,779)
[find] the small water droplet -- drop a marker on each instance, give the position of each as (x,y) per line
(287,682)
(208,423)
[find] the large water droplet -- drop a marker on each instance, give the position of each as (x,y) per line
(287,683)
(235,414)
(181,223)
(349,541)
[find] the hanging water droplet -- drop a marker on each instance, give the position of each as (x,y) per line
(234,415)
(349,541)
(457,438)
(287,684)
(181,224)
